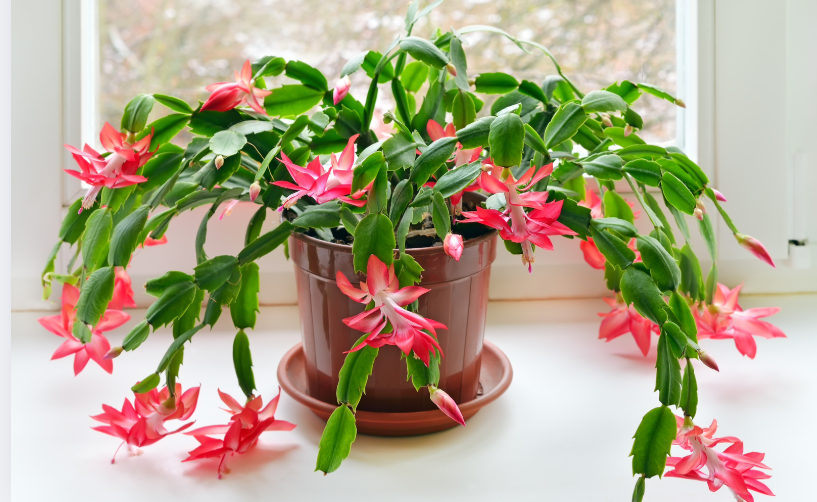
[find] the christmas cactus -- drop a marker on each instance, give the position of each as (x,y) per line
(550,160)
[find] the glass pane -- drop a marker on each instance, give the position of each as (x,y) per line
(179,46)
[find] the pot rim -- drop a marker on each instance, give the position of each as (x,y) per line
(346,248)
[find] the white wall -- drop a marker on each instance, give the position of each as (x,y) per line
(751,108)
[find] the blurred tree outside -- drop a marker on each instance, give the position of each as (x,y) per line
(179,46)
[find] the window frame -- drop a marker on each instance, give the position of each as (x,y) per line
(701,26)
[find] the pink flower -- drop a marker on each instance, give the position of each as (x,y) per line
(241,434)
(436,131)
(117,170)
(730,467)
(446,404)
(227,95)
(595,259)
(149,241)
(143,424)
(341,89)
(122,291)
(453,246)
(228,209)
(593,202)
(725,319)
(591,253)
(322,184)
(410,331)
(755,247)
(525,228)
(623,319)
(62,325)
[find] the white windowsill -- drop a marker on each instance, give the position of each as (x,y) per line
(542,440)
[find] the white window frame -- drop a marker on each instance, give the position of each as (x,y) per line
(721,119)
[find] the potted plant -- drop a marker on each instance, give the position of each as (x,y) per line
(380,229)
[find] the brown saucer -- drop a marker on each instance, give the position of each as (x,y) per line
(495,378)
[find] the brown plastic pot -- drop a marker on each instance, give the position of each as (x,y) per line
(458,298)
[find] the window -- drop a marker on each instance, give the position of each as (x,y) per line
(180,46)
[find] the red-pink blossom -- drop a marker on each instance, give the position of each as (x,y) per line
(462,157)
(410,331)
(341,89)
(755,247)
(525,228)
(122,291)
(142,423)
(117,170)
(591,253)
(227,95)
(228,208)
(149,241)
(593,202)
(62,325)
(447,405)
(725,319)
(320,183)
(730,467)
(623,319)
(595,259)
(452,245)
(246,425)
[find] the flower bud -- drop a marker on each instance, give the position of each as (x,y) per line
(341,89)
(628,129)
(755,247)
(699,204)
(719,196)
(472,81)
(191,164)
(680,102)
(113,353)
(219,161)
(453,246)
(451,69)
(446,404)
(605,119)
(255,189)
(708,360)
(698,214)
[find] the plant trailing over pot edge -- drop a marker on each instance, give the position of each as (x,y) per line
(535,152)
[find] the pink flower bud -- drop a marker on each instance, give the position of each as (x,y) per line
(451,69)
(755,247)
(341,89)
(708,360)
(219,161)
(680,102)
(446,404)
(698,214)
(719,196)
(453,246)
(628,129)
(605,119)
(113,353)
(255,189)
